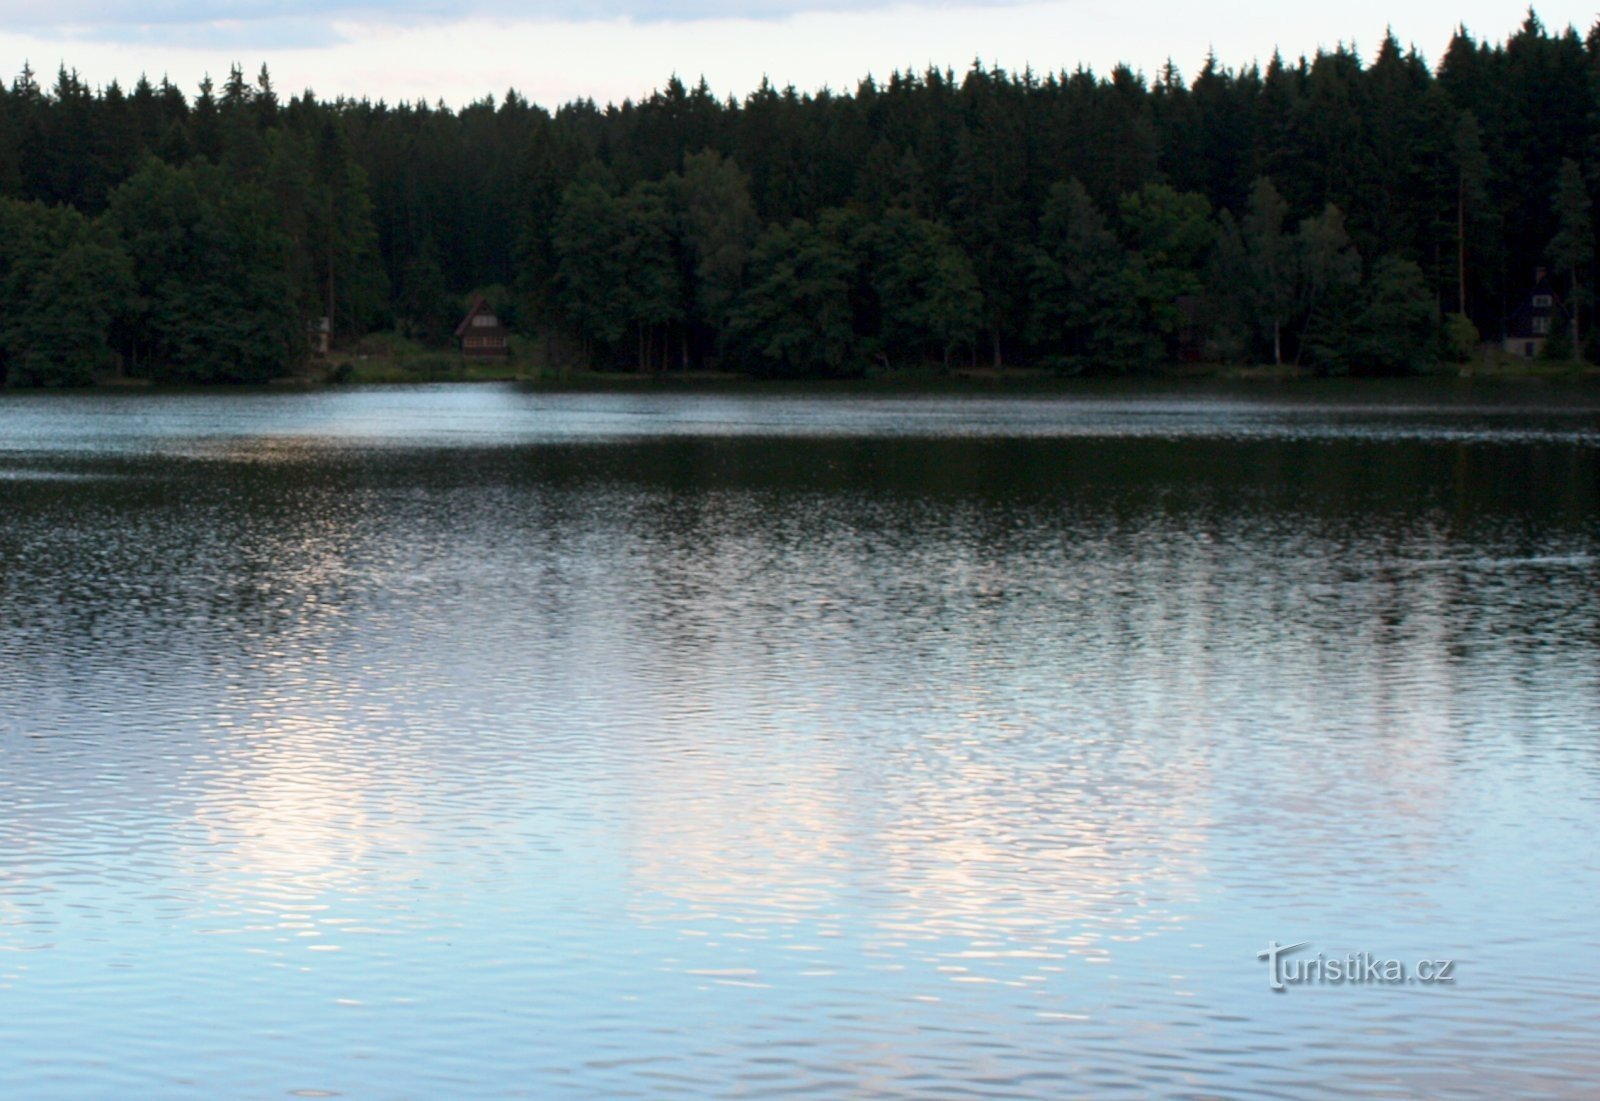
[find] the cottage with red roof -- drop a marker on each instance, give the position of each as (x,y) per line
(481,334)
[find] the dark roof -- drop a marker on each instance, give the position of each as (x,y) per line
(480,305)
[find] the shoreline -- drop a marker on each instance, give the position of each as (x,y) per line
(1021,380)
(345,370)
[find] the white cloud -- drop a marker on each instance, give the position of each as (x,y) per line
(312,22)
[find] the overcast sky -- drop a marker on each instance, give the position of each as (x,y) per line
(556,50)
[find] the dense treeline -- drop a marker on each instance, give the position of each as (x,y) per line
(1327,212)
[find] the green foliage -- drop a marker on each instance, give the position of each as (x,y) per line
(1168,235)
(925,286)
(343,241)
(548,166)
(1267,285)
(988,197)
(591,248)
(1557,346)
(1227,320)
(215,298)
(651,293)
(426,311)
(1171,230)
(719,227)
(796,318)
(1460,338)
(1090,219)
(63,282)
(1573,243)
(1077,311)
(1572,248)
(1397,329)
(1472,194)
(1329,270)
(617,263)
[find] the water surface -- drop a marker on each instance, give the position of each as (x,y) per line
(478,742)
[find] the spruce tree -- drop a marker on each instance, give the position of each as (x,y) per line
(1572,248)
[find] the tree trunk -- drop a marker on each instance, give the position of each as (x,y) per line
(330,273)
(1461,248)
(1577,297)
(1311,313)
(1277,342)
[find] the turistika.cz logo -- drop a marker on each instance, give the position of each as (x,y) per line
(1285,969)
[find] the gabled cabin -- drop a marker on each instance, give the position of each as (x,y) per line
(1530,324)
(480,332)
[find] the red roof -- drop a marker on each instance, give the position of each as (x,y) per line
(480,305)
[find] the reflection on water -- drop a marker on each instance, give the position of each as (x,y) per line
(472,742)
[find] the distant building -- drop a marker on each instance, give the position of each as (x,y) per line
(481,333)
(1529,326)
(318,332)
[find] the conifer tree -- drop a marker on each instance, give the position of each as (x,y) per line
(1572,248)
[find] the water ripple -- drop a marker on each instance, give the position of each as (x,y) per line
(487,743)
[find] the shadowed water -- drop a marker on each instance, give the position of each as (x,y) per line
(474,742)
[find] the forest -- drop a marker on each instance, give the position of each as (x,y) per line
(1341,215)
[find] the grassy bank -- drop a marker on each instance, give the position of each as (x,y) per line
(389,359)
(355,370)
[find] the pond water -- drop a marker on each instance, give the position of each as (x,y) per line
(476,742)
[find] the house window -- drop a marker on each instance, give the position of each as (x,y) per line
(485,321)
(1541,326)
(1542,301)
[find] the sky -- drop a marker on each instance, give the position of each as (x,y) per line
(553,51)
